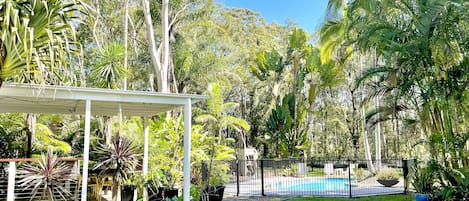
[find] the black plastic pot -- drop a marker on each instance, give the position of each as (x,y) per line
(163,193)
(214,193)
(127,192)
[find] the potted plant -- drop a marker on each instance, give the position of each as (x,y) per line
(388,177)
(161,185)
(47,176)
(166,158)
(422,181)
(217,172)
(119,160)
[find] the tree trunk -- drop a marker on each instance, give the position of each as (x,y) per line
(116,189)
(365,132)
(154,53)
(378,125)
(165,53)
(368,158)
(107,129)
(126,38)
(31,124)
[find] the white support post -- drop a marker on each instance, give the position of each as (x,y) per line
(86,151)
(11,181)
(145,146)
(145,154)
(187,149)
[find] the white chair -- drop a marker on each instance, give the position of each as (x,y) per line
(328,169)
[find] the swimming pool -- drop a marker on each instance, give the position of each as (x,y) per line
(320,184)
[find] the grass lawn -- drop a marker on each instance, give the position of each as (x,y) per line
(371,198)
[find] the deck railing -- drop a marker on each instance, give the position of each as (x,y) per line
(9,184)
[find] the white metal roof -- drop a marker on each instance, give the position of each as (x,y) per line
(71,100)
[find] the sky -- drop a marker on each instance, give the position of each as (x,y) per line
(308,14)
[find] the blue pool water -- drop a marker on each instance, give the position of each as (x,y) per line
(323,184)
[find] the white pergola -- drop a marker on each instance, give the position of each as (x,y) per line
(91,101)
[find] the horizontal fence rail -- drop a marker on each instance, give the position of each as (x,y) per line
(10,181)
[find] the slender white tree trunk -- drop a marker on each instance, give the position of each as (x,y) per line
(378,125)
(126,38)
(378,139)
(163,86)
(368,158)
(364,130)
(154,53)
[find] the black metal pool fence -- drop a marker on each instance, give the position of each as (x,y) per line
(315,177)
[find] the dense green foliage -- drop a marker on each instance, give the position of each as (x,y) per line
(392,75)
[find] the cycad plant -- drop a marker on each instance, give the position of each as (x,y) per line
(48,177)
(118,157)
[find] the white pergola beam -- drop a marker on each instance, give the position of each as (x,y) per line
(71,100)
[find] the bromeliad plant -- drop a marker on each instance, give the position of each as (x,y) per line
(118,159)
(47,177)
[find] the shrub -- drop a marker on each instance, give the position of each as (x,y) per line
(423,180)
(47,176)
(388,174)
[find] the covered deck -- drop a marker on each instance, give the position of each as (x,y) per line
(21,98)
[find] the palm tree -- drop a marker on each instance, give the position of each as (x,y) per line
(422,43)
(108,70)
(217,118)
(424,56)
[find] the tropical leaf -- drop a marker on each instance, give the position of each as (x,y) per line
(235,123)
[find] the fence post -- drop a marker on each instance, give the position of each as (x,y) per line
(237,176)
(11,181)
(204,172)
(407,165)
(349,179)
(262,177)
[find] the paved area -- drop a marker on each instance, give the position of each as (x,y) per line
(251,189)
(257,198)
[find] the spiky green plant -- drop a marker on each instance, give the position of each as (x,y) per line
(118,157)
(37,39)
(47,176)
